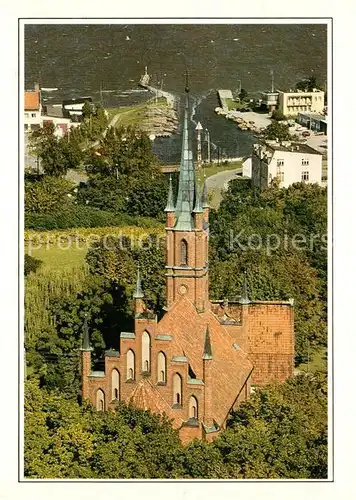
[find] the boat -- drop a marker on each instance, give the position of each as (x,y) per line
(47,89)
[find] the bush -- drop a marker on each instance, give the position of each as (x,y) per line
(31,264)
(278,115)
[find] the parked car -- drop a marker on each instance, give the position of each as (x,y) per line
(306,133)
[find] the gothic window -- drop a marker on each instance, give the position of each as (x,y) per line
(161,367)
(183,253)
(193,408)
(146,354)
(177,389)
(100,400)
(130,364)
(115,384)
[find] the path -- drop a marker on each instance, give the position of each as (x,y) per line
(222,179)
(218,183)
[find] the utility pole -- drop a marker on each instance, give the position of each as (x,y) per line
(199,128)
(208,139)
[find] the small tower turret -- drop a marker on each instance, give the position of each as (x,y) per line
(170,219)
(86,358)
(244,294)
(138,294)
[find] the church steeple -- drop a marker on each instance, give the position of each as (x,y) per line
(186,188)
(187,231)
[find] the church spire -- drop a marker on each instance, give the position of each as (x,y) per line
(186,188)
(138,294)
(244,295)
(170,200)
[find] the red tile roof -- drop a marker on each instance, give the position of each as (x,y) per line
(230,366)
(147,397)
(32,101)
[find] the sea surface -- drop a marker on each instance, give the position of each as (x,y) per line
(78,60)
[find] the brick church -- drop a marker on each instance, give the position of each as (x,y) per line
(202,358)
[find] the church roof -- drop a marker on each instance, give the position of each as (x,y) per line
(230,366)
(147,397)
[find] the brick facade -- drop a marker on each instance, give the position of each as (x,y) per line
(199,361)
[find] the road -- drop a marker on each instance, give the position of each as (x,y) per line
(218,183)
(221,180)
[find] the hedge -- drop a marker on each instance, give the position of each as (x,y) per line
(87,234)
(81,216)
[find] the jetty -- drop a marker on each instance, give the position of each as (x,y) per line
(226,99)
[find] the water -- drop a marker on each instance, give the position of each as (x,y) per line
(78,59)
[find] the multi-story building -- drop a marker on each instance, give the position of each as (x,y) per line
(201,358)
(33,108)
(286,163)
(292,103)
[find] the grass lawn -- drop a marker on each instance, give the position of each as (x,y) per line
(55,258)
(317,362)
(131,115)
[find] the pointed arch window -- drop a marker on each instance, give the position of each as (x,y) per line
(115,384)
(183,253)
(130,364)
(161,368)
(177,390)
(100,400)
(146,352)
(193,408)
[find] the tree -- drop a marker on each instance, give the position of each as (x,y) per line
(281,432)
(65,440)
(277,131)
(57,154)
(123,175)
(307,84)
(31,264)
(243,95)
(246,228)
(48,194)
(87,110)
(278,115)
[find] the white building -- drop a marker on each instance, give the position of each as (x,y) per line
(247,167)
(285,163)
(32,114)
(292,103)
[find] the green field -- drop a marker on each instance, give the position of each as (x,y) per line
(317,362)
(55,258)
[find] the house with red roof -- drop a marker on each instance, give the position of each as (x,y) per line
(33,109)
(202,358)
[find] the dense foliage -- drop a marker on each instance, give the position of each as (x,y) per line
(279,237)
(123,175)
(277,131)
(72,216)
(280,433)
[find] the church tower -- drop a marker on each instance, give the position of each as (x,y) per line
(187,231)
